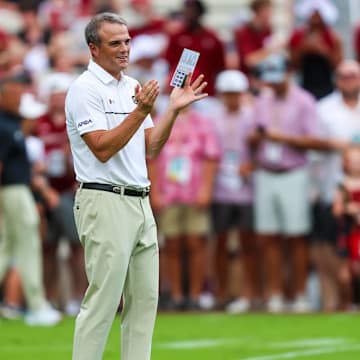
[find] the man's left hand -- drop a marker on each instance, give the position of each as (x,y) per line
(181,97)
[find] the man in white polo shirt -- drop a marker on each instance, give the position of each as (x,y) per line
(111,133)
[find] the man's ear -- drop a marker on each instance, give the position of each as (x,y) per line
(93,49)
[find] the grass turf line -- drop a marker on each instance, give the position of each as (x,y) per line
(205,336)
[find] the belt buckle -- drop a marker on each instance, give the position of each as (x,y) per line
(145,192)
(117,189)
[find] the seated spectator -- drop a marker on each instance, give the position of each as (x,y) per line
(315,48)
(232,207)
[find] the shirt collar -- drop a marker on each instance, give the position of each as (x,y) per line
(101,73)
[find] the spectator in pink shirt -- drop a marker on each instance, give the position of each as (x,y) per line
(182,181)
(233,191)
(287,127)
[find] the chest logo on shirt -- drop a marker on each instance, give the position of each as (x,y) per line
(134,99)
(111,101)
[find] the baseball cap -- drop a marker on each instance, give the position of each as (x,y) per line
(145,47)
(231,81)
(273,69)
(30,108)
(22,77)
(327,10)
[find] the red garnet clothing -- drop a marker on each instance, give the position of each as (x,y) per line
(205,41)
(248,39)
(57,153)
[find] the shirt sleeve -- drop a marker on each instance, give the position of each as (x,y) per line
(85,108)
(212,148)
(310,118)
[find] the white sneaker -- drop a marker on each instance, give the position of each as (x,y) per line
(238,306)
(72,308)
(43,317)
(206,301)
(301,305)
(275,304)
(10,312)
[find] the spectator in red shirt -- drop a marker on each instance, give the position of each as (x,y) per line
(251,38)
(357,42)
(195,36)
(315,48)
(147,22)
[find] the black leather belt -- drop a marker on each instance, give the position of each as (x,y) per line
(116,189)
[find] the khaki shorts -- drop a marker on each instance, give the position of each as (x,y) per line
(282,202)
(179,220)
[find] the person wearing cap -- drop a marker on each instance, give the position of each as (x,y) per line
(111,133)
(315,48)
(339,115)
(21,239)
(51,129)
(287,127)
(195,36)
(233,189)
(146,62)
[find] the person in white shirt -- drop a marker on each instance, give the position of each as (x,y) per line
(340,123)
(111,133)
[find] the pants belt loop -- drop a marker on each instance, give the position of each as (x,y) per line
(81,185)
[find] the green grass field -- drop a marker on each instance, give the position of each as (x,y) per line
(205,337)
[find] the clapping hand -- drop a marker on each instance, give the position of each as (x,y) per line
(181,97)
(145,97)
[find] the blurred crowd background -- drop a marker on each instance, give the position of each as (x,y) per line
(257,192)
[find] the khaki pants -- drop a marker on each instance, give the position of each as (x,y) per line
(121,255)
(20,243)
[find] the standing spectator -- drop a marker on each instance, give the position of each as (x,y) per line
(287,128)
(195,36)
(315,48)
(182,183)
(346,209)
(143,19)
(233,189)
(339,119)
(21,240)
(51,129)
(252,39)
(357,42)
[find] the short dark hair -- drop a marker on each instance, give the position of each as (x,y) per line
(256,5)
(198,4)
(91,30)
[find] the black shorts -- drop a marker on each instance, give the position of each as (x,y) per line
(225,217)
(324,224)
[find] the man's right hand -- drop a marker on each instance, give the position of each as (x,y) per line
(146,96)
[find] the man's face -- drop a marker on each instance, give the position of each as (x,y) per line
(264,14)
(231,100)
(348,81)
(113,52)
(10,96)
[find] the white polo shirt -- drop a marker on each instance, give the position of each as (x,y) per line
(338,122)
(97,101)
